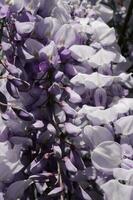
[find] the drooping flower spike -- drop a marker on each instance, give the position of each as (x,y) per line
(66,112)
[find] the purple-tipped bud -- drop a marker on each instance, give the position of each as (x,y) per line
(65,55)
(43,66)
(13,70)
(3,102)
(100,97)
(69,165)
(70,70)
(72,129)
(57,151)
(4,10)
(74,97)
(13,91)
(117,90)
(55,89)
(58,76)
(20,84)
(22,114)
(68,109)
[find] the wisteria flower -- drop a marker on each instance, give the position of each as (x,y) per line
(65,101)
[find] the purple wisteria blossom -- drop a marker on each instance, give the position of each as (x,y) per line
(65,101)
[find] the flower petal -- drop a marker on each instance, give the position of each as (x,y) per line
(107,156)
(115,190)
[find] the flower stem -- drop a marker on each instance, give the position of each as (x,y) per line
(60,180)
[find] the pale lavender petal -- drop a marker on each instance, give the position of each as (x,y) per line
(124,125)
(115,190)
(66,36)
(74,97)
(69,166)
(103,33)
(72,129)
(55,192)
(16,189)
(68,109)
(107,156)
(81,52)
(100,97)
(94,135)
(57,151)
(24,27)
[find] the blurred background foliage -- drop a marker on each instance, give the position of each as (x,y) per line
(122,21)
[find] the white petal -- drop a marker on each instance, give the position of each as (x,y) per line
(105,57)
(96,135)
(111,114)
(106,156)
(115,190)
(9,161)
(60,14)
(122,174)
(103,33)
(50,51)
(24,27)
(66,36)
(102,116)
(124,125)
(94,80)
(123,105)
(104,12)
(81,52)
(86,109)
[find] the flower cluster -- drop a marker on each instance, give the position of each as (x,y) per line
(66,112)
